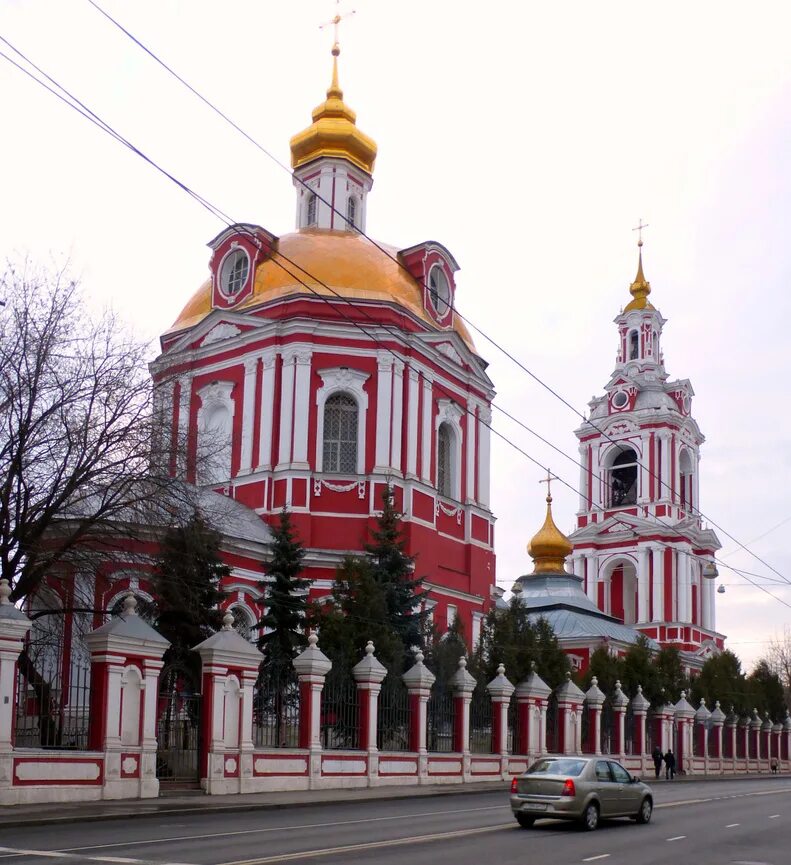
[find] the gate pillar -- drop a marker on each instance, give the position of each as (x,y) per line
(369,674)
(570,700)
(418,680)
(685,716)
(126,657)
(500,692)
(462,684)
(594,700)
(229,667)
(312,666)
(532,694)
(640,707)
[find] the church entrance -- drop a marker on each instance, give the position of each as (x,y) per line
(178,728)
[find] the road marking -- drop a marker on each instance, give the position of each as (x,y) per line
(390,817)
(732,825)
(594,858)
(372,845)
(57,854)
(676,838)
(773,816)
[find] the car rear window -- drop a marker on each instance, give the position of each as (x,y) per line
(551,766)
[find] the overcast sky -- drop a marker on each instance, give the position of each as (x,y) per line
(527,137)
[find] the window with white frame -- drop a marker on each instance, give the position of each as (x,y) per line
(453,612)
(445,460)
(340,434)
(351,213)
(313,209)
(215,432)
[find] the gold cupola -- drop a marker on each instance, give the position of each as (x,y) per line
(549,546)
(334,132)
(641,287)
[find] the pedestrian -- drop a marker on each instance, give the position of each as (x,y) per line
(775,765)
(656,756)
(670,765)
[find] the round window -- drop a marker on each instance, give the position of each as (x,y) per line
(233,274)
(687,403)
(620,399)
(439,290)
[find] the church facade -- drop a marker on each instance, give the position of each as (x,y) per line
(641,548)
(312,370)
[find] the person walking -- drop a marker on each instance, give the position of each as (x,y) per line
(670,765)
(656,756)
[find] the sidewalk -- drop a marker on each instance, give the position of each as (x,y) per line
(185,802)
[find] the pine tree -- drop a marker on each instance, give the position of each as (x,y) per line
(393,569)
(186,583)
(285,595)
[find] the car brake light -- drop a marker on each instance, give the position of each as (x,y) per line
(513,785)
(568,788)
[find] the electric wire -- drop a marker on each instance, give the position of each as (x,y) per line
(96,120)
(475,327)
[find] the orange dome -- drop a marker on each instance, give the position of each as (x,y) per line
(346,262)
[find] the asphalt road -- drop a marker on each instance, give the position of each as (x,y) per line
(722,822)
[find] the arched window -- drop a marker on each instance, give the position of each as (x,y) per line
(313,205)
(242,623)
(634,345)
(340,434)
(655,344)
(686,480)
(445,460)
(351,213)
(623,479)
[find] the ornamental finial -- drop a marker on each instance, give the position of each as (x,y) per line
(462,663)
(5,592)
(369,648)
(594,681)
(130,605)
(227,621)
(312,640)
(501,669)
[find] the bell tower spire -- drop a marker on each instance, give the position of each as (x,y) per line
(333,160)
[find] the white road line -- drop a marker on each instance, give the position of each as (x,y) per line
(773,816)
(225,834)
(372,845)
(732,825)
(676,838)
(57,854)
(594,858)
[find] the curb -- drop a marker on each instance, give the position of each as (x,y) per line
(83,817)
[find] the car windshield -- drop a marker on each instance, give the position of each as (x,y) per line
(556,767)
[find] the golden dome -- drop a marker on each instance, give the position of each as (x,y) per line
(334,132)
(549,546)
(640,288)
(342,260)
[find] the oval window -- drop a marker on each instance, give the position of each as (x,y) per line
(234,271)
(439,290)
(620,399)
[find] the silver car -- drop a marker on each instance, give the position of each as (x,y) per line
(587,789)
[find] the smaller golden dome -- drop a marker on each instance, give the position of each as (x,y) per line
(549,546)
(334,132)
(640,288)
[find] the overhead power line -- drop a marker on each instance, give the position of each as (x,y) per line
(74,103)
(395,259)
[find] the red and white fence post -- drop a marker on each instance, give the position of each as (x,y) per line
(14,625)
(532,694)
(640,707)
(500,691)
(570,700)
(594,700)
(462,684)
(755,737)
(619,704)
(418,680)
(369,674)
(717,720)
(685,716)
(312,666)
(701,728)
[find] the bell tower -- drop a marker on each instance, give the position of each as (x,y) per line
(640,545)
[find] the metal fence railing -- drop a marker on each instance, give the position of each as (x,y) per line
(394,715)
(481,721)
(439,716)
(276,707)
(340,711)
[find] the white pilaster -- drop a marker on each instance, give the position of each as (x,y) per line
(484,454)
(286,409)
(710,612)
(596,481)
(248,414)
(398,415)
(683,586)
(593,577)
(644,470)
(658,558)
(384,399)
(413,400)
(583,451)
(301,408)
(267,410)
(426,439)
(470,422)
(182,424)
(642,584)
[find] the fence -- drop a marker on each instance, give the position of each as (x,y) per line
(392,733)
(440,719)
(480,721)
(276,707)
(340,711)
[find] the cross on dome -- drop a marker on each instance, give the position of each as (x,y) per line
(336,21)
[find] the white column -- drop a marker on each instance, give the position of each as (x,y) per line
(709,609)
(696,486)
(267,410)
(645,474)
(683,586)
(578,565)
(384,398)
(182,424)
(642,584)
(428,411)
(663,449)
(484,454)
(413,401)
(286,409)
(301,408)
(583,451)
(596,480)
(593,577)
(658,554)
(248,414)
(398,414)
(470,422)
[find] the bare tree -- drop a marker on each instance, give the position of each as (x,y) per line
(778,658)
(79,447)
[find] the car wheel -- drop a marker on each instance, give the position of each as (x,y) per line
(590,817)
(646,809)
(524,821)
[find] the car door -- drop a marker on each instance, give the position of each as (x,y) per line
(607,790)
(627,794)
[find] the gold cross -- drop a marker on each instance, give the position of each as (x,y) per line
(335,21)
(639,228)
(548,481)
